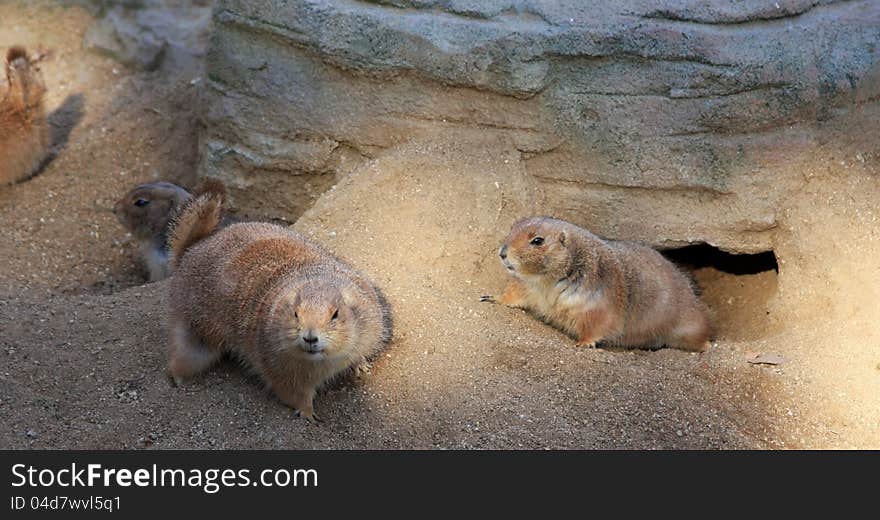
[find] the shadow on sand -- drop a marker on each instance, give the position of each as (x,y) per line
(62,121)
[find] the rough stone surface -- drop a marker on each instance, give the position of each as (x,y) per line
(622,110)
(151,33)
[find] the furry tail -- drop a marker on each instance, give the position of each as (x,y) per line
(197,220)
(15,53)
(26,88)
(211,186)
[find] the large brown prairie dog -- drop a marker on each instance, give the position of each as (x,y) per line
(290,310)
(148,210)
(24,129)
(618,293)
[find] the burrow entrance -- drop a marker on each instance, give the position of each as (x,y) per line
(704,255)
(738,288)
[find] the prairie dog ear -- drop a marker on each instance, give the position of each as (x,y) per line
(562,237)
(349,295)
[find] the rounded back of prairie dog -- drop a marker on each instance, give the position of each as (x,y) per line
(290,309)
(602,290)
(24,129)
(147,209)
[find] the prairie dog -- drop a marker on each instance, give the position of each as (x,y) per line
(291,311)
(619,293)
(147,212)
(24,129)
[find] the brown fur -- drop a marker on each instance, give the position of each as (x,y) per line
(24,129)
(213,186)
(259,291)
(618,293)
(148,212)
(196,221)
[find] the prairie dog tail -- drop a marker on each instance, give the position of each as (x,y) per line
(15,53)
(197,220)
(211,186)
(25,86)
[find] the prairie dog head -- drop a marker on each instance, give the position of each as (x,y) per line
(536,247)
(24,77)
(318,321)
(147,209)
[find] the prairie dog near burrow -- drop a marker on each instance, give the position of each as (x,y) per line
(619,293)
(24,129)
(289,309)
(148,210)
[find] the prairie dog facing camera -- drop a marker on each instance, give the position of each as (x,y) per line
(147,211)
(619,293)
(286,307)
(24,129)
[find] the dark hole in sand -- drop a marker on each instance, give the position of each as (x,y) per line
(738,289)
(698,256)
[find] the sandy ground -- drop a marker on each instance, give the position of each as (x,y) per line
(82,339)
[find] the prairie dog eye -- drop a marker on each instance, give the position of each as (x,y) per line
(141,203)
(335,314)
(537,241)
(295,315)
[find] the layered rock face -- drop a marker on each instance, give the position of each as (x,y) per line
(661,121)
(149,34)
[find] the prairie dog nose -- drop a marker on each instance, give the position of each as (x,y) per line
(503,252)
(310,337)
